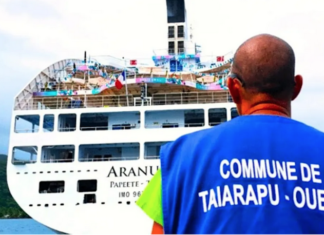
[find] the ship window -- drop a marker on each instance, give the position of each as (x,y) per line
(234,113)
(89,198)
(180,31)
(176,11)
(111,121)
(174,118)
(152,150)
(217,116)
(67,122)
(48,124)
(87,186)
(24,155)
(171,47)
(58,154)
(51,187)
(94,121)
(180,47)
(171,32)
(27,124)
(108,152)
(170,125)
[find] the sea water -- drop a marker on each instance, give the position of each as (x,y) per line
(23,226)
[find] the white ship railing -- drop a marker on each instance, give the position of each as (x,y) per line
(152,126)
(106,101)
(22,162)
(107,128)
(108,159)
(26,130)
(58,160)
(152,157)
(104,128)
(66,129)
(174,125)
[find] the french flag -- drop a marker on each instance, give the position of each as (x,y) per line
(122,76)
(118,82)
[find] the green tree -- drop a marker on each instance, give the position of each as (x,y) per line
(8,206)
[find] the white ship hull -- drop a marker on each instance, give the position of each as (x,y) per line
(119,182)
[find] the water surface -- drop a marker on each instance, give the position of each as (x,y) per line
(23,226)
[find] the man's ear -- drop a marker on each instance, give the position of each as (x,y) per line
(234,89)
(298,86)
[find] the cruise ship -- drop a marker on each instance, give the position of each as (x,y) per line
(86,133)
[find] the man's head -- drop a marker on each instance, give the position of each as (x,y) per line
(263,71)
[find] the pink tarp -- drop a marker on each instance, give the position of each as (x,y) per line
(83,68)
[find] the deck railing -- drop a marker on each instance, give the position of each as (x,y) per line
(27,130)
(100,101)
(22,162)
(174,125)
(191,98)
(135,127)
(105,159)
(57,160)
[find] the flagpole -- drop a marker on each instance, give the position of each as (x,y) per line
(126,83)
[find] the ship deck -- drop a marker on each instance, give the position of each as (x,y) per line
(62,86)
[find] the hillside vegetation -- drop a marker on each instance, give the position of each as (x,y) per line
(8,206)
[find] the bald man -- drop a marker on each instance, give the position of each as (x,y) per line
(261,172)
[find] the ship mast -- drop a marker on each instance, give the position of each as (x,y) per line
(180,33)
(180,38)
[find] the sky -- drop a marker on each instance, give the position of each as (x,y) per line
(36,33)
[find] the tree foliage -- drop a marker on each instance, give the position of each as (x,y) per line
(8,206)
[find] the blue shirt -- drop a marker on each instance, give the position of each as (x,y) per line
(253,174)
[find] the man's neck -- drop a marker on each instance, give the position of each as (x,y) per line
(267,109)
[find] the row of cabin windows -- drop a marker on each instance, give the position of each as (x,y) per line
(59,186)
(87,187)
(180,31)
(122,120)
(87,153)
(83,186)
